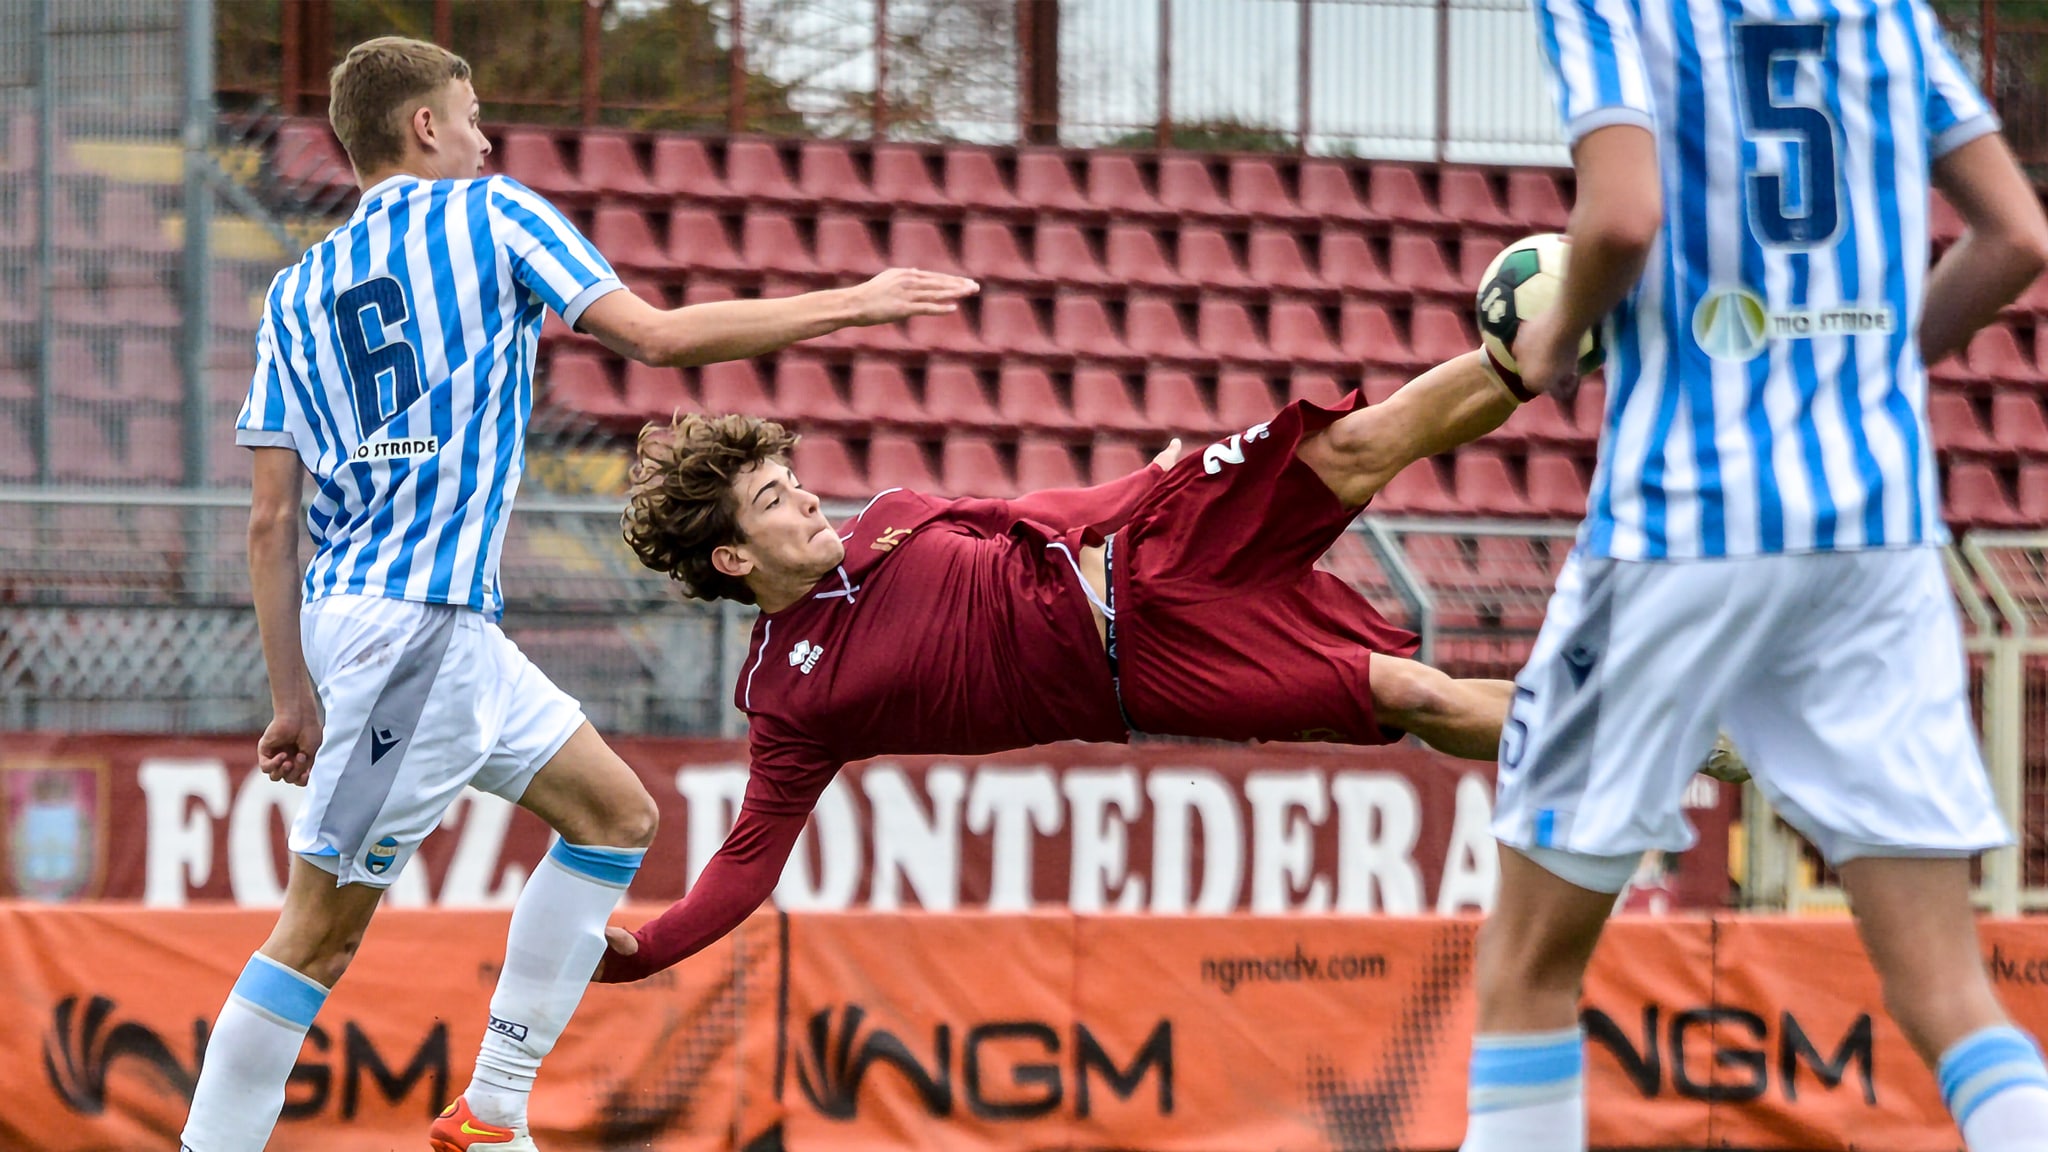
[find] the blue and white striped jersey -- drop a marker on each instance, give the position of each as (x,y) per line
(397,358)
(1765,387)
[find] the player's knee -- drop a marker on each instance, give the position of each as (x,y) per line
(636,824)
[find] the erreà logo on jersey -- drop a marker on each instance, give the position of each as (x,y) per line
(396,448)
(806,655)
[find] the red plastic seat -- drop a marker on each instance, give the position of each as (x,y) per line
(1994,353)
(1466,196)
(1153,327)
(82,449)
(1043,463)
(1476,250)
(1208,258)
(1440,332)
(1535,202)
(825,465)
(1275,258)
(879,391)
(683,166)
(1102,399)
(954,395)
(903,175)
(1011,324)
(1064,254)
(1244,399)
(627,238)
(919,243)
(971,465)
(609,164)
(1417,490)
(1115,459)
(735,386)
(825,170)
(1173,400)
(899,461)
(1187,185)
(948,331)
(1320,388)
(1296,332)
(1556,486)
(2033,504)
(2017,422)
(1349,262)
(1366,332)
(1398,194)
(1081,326)
(700,238)
(156,450)
(706,291)
(2035,298)
(847,247)
(975,179)
(1380,386)
(1416,262)
(1956,426)
(1976,497)
(1027,398)
(989,251)
(1541,421)
(534,159)
(1259,188)
(581,382)
(755,169)
(1117,185)
(1134,256)
(1484,485)
(656,393)
(771,243)
(1228,329)
(805,392)
(305,153)
(1045,179)
(1329,190)
(17,454)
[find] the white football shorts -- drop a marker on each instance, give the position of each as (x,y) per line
(420,700)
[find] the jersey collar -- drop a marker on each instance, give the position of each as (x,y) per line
(371,193)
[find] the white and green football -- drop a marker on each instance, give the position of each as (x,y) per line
(1524,281)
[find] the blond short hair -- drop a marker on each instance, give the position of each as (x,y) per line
(376,88)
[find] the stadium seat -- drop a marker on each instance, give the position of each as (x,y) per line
(1173,401)
(847,246)
(626,237)
(1081,326)
(654,393)
(948,331)
(989,250)
(903,175)
(2017,421)
(825,170)
(1045,180)
(2033,503)
(1064,254)
(771,243)
(955,395)
(1366,332)
(82,450)
(735,386)
(700,238)
(1541,421)
(581,382)
(1535,203)
(1476,250)
(306,155)
(899,461)
(1994,353)
(1956,425)
(1465,195)
(1315,387)
(971,465)
(156,450)
(1258,187)
(1417,490)
(2035,298)
(1328,190)
(1399,195)
(1154,327)
(1134,256)
(1484,485)
(1976,497)
(916,242)
(1349,262)
(825,465)
(1440,332)
(1010,323)
(1275,259)
(1116,184)
(1556,486)
(17,384)
(1230,330)
(703,290)
(1243,399)
(608,163)
(755,170)
(1416,262)
(1297,332)
(1589,407)
(683,166)
(1115,459)
(1041,464)
(1102,400)
(532,157)
(1027,398)
(806,392)
(975,179)
(1187,185)
(1209,258)
(879,391)
(1379,386)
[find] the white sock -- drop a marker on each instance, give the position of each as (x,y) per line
(249,1055)
(1996,1087)
(556,941)
(1527,1093)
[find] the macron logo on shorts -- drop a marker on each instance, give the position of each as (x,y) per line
(1579,661)
(382,740)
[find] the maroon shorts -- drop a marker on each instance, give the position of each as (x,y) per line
(1224,627)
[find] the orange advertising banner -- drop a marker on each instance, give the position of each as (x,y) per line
(988,1032)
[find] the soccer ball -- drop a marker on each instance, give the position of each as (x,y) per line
(1524,281)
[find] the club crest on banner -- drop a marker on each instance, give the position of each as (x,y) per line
(52,822)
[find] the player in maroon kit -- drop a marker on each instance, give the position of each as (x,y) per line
(1180,600)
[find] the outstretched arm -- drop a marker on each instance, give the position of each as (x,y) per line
(1455,402)
(2004,247)
(737,880)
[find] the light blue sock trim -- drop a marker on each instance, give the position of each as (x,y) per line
(1523,1069)
(277,991)
(1986,1063)
(613,866)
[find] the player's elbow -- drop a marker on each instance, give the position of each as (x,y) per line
(1628,230)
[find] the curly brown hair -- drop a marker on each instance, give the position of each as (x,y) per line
(681,505)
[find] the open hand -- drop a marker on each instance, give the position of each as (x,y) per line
(900,293)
